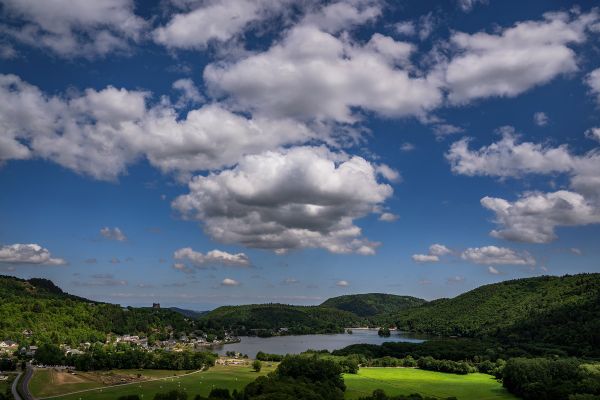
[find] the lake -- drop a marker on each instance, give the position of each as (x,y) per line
(297,344)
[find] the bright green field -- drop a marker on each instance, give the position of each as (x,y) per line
(397,381)
(230,377)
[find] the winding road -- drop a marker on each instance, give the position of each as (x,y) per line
(13,388)
(23,384)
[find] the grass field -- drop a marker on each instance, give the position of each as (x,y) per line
(230,377)
(6,384)
(408,380)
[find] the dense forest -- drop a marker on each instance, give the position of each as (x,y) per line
(267,319)
(559,311)
(372,304)
(36,310)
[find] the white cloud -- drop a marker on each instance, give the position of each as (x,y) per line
(493,270)
(388,217)
(342,283)
(313,75)
(189,92)
(212,257)
(576,251)
(425,258)
(406,147)
(229,282)
(344,14)
(507,158)
(427,25)
(436,251)
(593,81)
(183,268)
(214,21)
(525,55)
(290,281)
(540,118)
(534,216)
(455,279)
(405,28)
(439,250)
(488,255)
(73,28)
(28,254)
(99,133)
(113,234)
(295,198)
(388,173)
(441,130)
(467,5)
(593,133)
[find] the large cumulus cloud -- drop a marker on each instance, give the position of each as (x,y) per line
(297,198)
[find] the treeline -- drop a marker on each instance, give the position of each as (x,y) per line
(379,394)
(269,357)
(268,319)
(442,349)
(547,379)
(100,357)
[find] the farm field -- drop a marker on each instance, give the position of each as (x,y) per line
(50,382)
(230,377)
(397,381)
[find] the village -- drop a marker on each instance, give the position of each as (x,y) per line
(203,342)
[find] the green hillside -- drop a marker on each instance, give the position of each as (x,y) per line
(50,314)
(262,318)
(372,304)
(562,311)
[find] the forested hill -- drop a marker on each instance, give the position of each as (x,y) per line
(331,316)
(266,319)
(37,305)
(372,304)
(561,311)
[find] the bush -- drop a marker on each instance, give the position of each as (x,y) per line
(256,365)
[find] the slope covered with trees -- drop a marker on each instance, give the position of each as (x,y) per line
(36,310)
(266,319)
(561,311)
(372,304)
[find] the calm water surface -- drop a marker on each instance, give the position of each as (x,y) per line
(297,344)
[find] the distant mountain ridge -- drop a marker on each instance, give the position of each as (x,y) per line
(188,313)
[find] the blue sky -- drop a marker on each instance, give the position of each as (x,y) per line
(200,153)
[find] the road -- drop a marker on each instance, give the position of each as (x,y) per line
(24,385)
(14,388)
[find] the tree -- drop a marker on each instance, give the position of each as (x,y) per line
(384,332)
(257,365)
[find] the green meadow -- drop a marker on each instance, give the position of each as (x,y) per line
(397,381)
(393,380)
